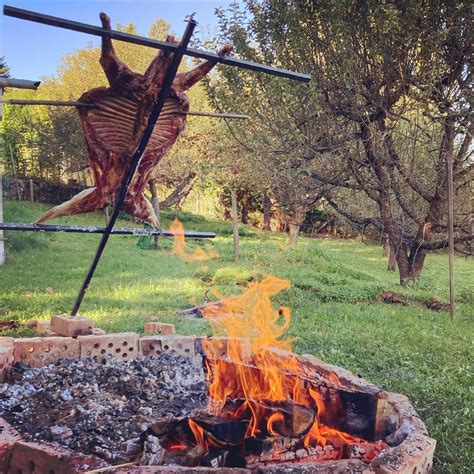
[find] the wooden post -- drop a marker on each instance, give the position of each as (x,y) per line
(449,164)
(155,202)
(235,225)
(32,191)
(106,214)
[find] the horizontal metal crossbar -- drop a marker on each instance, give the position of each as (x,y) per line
(141,40)
(100,230)
(74,103)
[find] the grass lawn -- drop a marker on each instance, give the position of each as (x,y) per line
(334,300)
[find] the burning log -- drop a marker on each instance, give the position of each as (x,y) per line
(284,418)
(223,430)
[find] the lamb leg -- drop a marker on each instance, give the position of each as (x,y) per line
(141,208)
(88,200)
(114,68)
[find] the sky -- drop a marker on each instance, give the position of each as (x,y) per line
(32,50)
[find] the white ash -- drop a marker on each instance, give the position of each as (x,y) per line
(101,408)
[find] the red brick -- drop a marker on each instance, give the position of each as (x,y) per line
(71,326)
(155,345)
(124,346)
(6,359)
(155,327)
(42,326)
(219,346)
(180,470)
(8,437)
(39,351)
(36,458)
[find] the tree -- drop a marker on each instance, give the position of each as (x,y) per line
(4,70)
(387,107)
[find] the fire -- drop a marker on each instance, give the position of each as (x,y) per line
(251,368)
(179,246)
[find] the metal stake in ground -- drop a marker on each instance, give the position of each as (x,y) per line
(165,90)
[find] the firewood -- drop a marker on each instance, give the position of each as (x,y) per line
(224,430)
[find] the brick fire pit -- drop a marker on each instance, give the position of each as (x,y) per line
(395,420)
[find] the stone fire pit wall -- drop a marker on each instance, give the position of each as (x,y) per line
(395,415)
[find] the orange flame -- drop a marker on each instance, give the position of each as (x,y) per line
(248,365)
(198,433)
(179,246)
(275,418)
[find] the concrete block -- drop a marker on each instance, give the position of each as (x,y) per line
(39,351)
(155,345)
(121,345)
(71,326)
(155,327)
(36,458)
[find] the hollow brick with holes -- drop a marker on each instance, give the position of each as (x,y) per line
(155,327)
(39,351)
(71,326)
(49,458)
(124,346)
(155,345)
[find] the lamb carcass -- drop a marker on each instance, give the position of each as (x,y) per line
(114,127)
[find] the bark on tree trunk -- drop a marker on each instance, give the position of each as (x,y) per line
(267,211)
(392,260)
(386,246)
(244,212)
(294,224)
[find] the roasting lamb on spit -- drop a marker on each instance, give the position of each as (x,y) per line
(114,126)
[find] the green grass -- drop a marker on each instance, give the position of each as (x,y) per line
(334,299)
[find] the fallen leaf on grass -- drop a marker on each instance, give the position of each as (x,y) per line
(4,325)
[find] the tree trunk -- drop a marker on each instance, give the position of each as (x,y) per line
(155,202)
(106,215)
(386,246)
(392,260)
(244,212)
(235,226)
(267,211)
(294,224)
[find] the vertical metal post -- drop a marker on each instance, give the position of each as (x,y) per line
(449,165)
(2,153)
(164,93)
(235,226)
